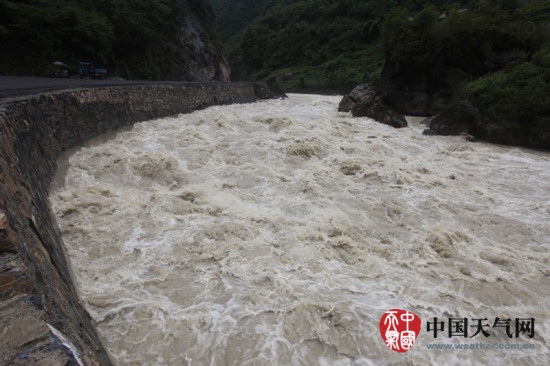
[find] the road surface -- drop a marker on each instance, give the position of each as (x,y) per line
(13,86)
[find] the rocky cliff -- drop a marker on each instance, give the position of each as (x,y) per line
(199,54)
(420,92)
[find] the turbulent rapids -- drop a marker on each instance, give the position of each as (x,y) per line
(278,233)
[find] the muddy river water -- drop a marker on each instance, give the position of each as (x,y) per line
(280,232)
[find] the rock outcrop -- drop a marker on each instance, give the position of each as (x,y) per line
(462,117)
(362,93)
(420,92)
(199,56)
(380,113)
(365,101)
(269,89)
(465,119)
(429,58)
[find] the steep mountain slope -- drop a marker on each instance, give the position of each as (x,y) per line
(199,54)
(331,45)
(234,15)
(162,39)
(313,44)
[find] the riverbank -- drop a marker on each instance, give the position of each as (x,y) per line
(40,311)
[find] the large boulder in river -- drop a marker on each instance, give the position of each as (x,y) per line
(268,89)
(462,117)
(363,93)
(380,113)
(273,84)
(365,101)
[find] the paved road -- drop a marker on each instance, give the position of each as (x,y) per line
(11,86)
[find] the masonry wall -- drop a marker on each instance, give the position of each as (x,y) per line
(41,318)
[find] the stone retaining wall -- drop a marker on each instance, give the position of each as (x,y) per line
(41,318)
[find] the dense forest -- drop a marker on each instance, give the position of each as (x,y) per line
(233,16)
(321,43)
(334,44)
(132,38)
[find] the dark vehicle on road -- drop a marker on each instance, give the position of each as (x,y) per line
(88,70)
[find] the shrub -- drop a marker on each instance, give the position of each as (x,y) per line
(515,97)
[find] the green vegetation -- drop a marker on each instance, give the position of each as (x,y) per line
(334,44)
(474,42)
(233,16)
(312,45)
(516,97)
(502,48)
(134,38)
(339,75)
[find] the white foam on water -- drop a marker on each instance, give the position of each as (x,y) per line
(278,233)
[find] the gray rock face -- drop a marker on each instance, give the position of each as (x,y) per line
(460,118)
(380,113)
(268,89)
(363,93)
(420,92)
(200,55)
(365,101)
(464,119)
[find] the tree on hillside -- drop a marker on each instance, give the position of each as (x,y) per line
(137,38)
(35,32)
